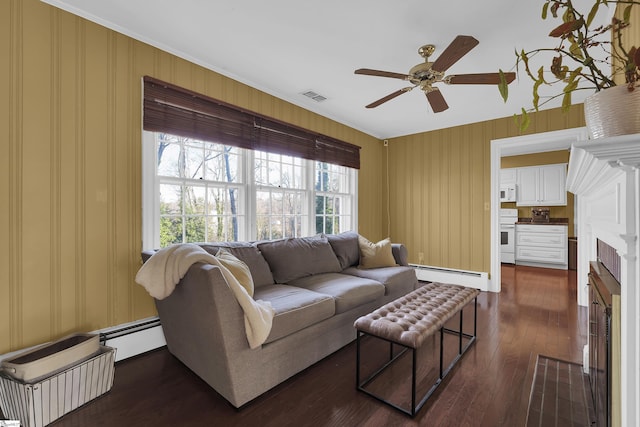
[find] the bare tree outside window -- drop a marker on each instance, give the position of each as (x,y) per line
(280,198)
(203,195)
(196,205)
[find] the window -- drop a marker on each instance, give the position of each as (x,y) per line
(233,174)
(280,196)
(198,191)
(332,198)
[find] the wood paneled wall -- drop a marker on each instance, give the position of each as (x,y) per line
(70,168)
(70,173)
(440,188)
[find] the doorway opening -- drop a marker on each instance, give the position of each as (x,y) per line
(528,144)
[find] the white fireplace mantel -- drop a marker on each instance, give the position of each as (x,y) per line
(604,174)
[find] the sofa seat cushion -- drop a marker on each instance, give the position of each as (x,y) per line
(348,291)
(396,280)
(295,308)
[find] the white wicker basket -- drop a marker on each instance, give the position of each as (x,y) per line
(48,359)
(41,403)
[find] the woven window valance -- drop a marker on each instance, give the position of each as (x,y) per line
(172,109)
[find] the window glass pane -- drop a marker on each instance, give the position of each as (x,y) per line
(216,229)
(276,205)
(260,168)
(194,200)
(168,155)
(287,179)
(276,158)
(223,214)
(262,227)
(170,230)
(194,229)
(262,202)
(274,177)
(222,163)
(191,164)
(292,226)
(275,228)
(292,204)
(170,199)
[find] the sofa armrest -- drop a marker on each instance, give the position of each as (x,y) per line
(204,327)
(400,253)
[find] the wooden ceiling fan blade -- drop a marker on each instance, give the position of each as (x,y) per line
(378,73)
(459,47)
(436,100)
(479,79)
(389,97)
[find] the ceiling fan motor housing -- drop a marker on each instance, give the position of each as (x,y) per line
(424,75)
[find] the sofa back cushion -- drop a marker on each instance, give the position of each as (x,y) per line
(250,255)
(293,258)
(345,246)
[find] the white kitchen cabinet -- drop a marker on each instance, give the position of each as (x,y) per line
(542,185)
(542,245)
(508,176)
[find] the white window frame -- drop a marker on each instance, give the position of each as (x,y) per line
(151,196)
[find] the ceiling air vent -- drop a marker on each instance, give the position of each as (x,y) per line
(315,96)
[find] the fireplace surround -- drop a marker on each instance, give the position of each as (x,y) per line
(605,177)
(604,343)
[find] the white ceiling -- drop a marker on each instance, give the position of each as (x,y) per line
(287,47)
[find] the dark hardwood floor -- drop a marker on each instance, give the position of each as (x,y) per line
(536,313)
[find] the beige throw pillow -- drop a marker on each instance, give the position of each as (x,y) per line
(238,268)
(375,255)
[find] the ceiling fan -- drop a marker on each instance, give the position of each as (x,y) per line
(425,74)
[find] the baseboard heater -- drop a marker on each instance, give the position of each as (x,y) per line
(472,279)
(129,339)
(134,338)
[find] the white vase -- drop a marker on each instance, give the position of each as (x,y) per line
(613,111)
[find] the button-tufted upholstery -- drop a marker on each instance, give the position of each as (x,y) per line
(414,317)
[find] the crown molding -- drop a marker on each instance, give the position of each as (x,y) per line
(596,162)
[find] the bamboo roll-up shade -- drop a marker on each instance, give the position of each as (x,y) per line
(171,109)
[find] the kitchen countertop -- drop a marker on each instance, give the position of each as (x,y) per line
(552,221)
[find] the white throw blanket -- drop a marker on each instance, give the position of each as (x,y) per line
(160,274)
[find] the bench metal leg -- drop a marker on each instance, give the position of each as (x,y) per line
(461,334)
(415,407)
(441,351)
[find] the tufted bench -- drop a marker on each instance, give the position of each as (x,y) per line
(409,321)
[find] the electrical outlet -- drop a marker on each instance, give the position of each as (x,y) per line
(487,206)
(420,257)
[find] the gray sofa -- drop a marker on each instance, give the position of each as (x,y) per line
(317,290)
